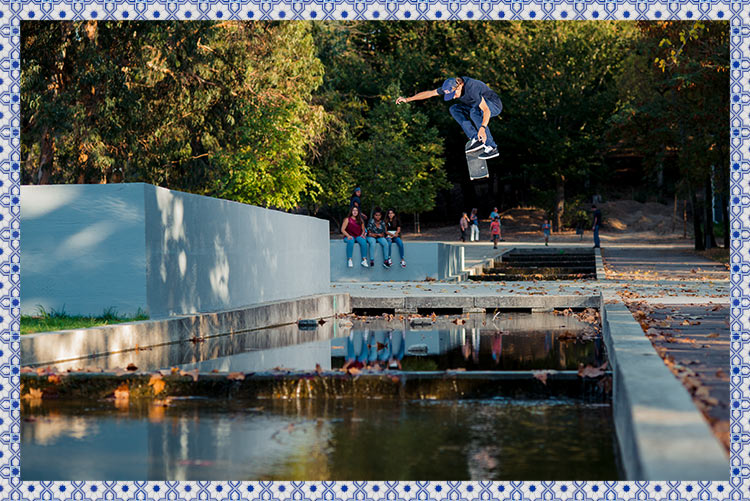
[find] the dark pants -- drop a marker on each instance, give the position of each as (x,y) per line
(470,119)
(596,236)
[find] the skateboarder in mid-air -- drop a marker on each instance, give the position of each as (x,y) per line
(477,103)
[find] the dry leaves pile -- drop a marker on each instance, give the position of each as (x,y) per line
(589,316)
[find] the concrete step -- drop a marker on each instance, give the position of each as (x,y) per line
(547,262)
(499,277)
(547,270)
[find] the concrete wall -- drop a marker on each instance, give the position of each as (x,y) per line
(206,254)
(83,248)
(424,259)
(130,246)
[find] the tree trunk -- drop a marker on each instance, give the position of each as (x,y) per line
(46,155)
(700,243)
(559,202)
(417,229)
(684,218)
(709,215)
(674,213)
(725,211)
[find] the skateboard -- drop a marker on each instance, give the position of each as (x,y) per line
(477,166)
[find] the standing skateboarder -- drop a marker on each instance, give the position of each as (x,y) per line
(477,103)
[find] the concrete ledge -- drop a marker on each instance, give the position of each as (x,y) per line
(425,260)
(51,347)
(661,434)
(537,301)
(359,302)
(600,273)
(543,302)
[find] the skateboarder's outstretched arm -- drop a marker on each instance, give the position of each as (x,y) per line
(426,94)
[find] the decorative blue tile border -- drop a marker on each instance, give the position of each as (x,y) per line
(13,11)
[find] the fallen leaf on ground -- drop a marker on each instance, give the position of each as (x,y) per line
(33,394)
(541,376)
(713,335)
(236,376)
(122,392)
(131,367)
(53,378)
(193,374)
(590,371)
(157,383)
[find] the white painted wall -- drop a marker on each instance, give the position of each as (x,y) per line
(206,254)
(83,248)
(91,247)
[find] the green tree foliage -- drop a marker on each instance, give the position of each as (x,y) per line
(280,114)
(560,95)
(213,108)
(677,105)
(394,153)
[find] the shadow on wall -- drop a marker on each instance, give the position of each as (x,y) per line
(87,248)
(206,254)
(82,249)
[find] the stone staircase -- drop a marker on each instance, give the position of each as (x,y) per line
(541,264)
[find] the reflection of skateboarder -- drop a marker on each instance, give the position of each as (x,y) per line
(477,104)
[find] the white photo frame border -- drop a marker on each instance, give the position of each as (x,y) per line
(13,12)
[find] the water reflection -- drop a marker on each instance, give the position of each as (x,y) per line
(320,440)
(494,342)
(463,348)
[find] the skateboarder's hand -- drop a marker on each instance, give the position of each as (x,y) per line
(401,99)
(482,134)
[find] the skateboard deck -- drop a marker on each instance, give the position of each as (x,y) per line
(477,166)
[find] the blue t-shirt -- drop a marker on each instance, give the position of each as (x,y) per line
(474,91)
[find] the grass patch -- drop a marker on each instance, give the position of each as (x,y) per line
(717,254)
(53,320)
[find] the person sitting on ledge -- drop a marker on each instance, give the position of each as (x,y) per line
(393,235)
(353,229)
(376,233)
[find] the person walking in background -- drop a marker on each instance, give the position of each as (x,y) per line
(474,225)
(496,215)
(495,230)
(596,225)
(546,229)
(463,225)
(353,229)
(356,197)
(579,230)
(393,235)
(376,234)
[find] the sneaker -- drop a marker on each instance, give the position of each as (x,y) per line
(364,263)
(390,263)
(489,153)
(385,264)
(403,263)
(372,263)
(474,145)
(349,263)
